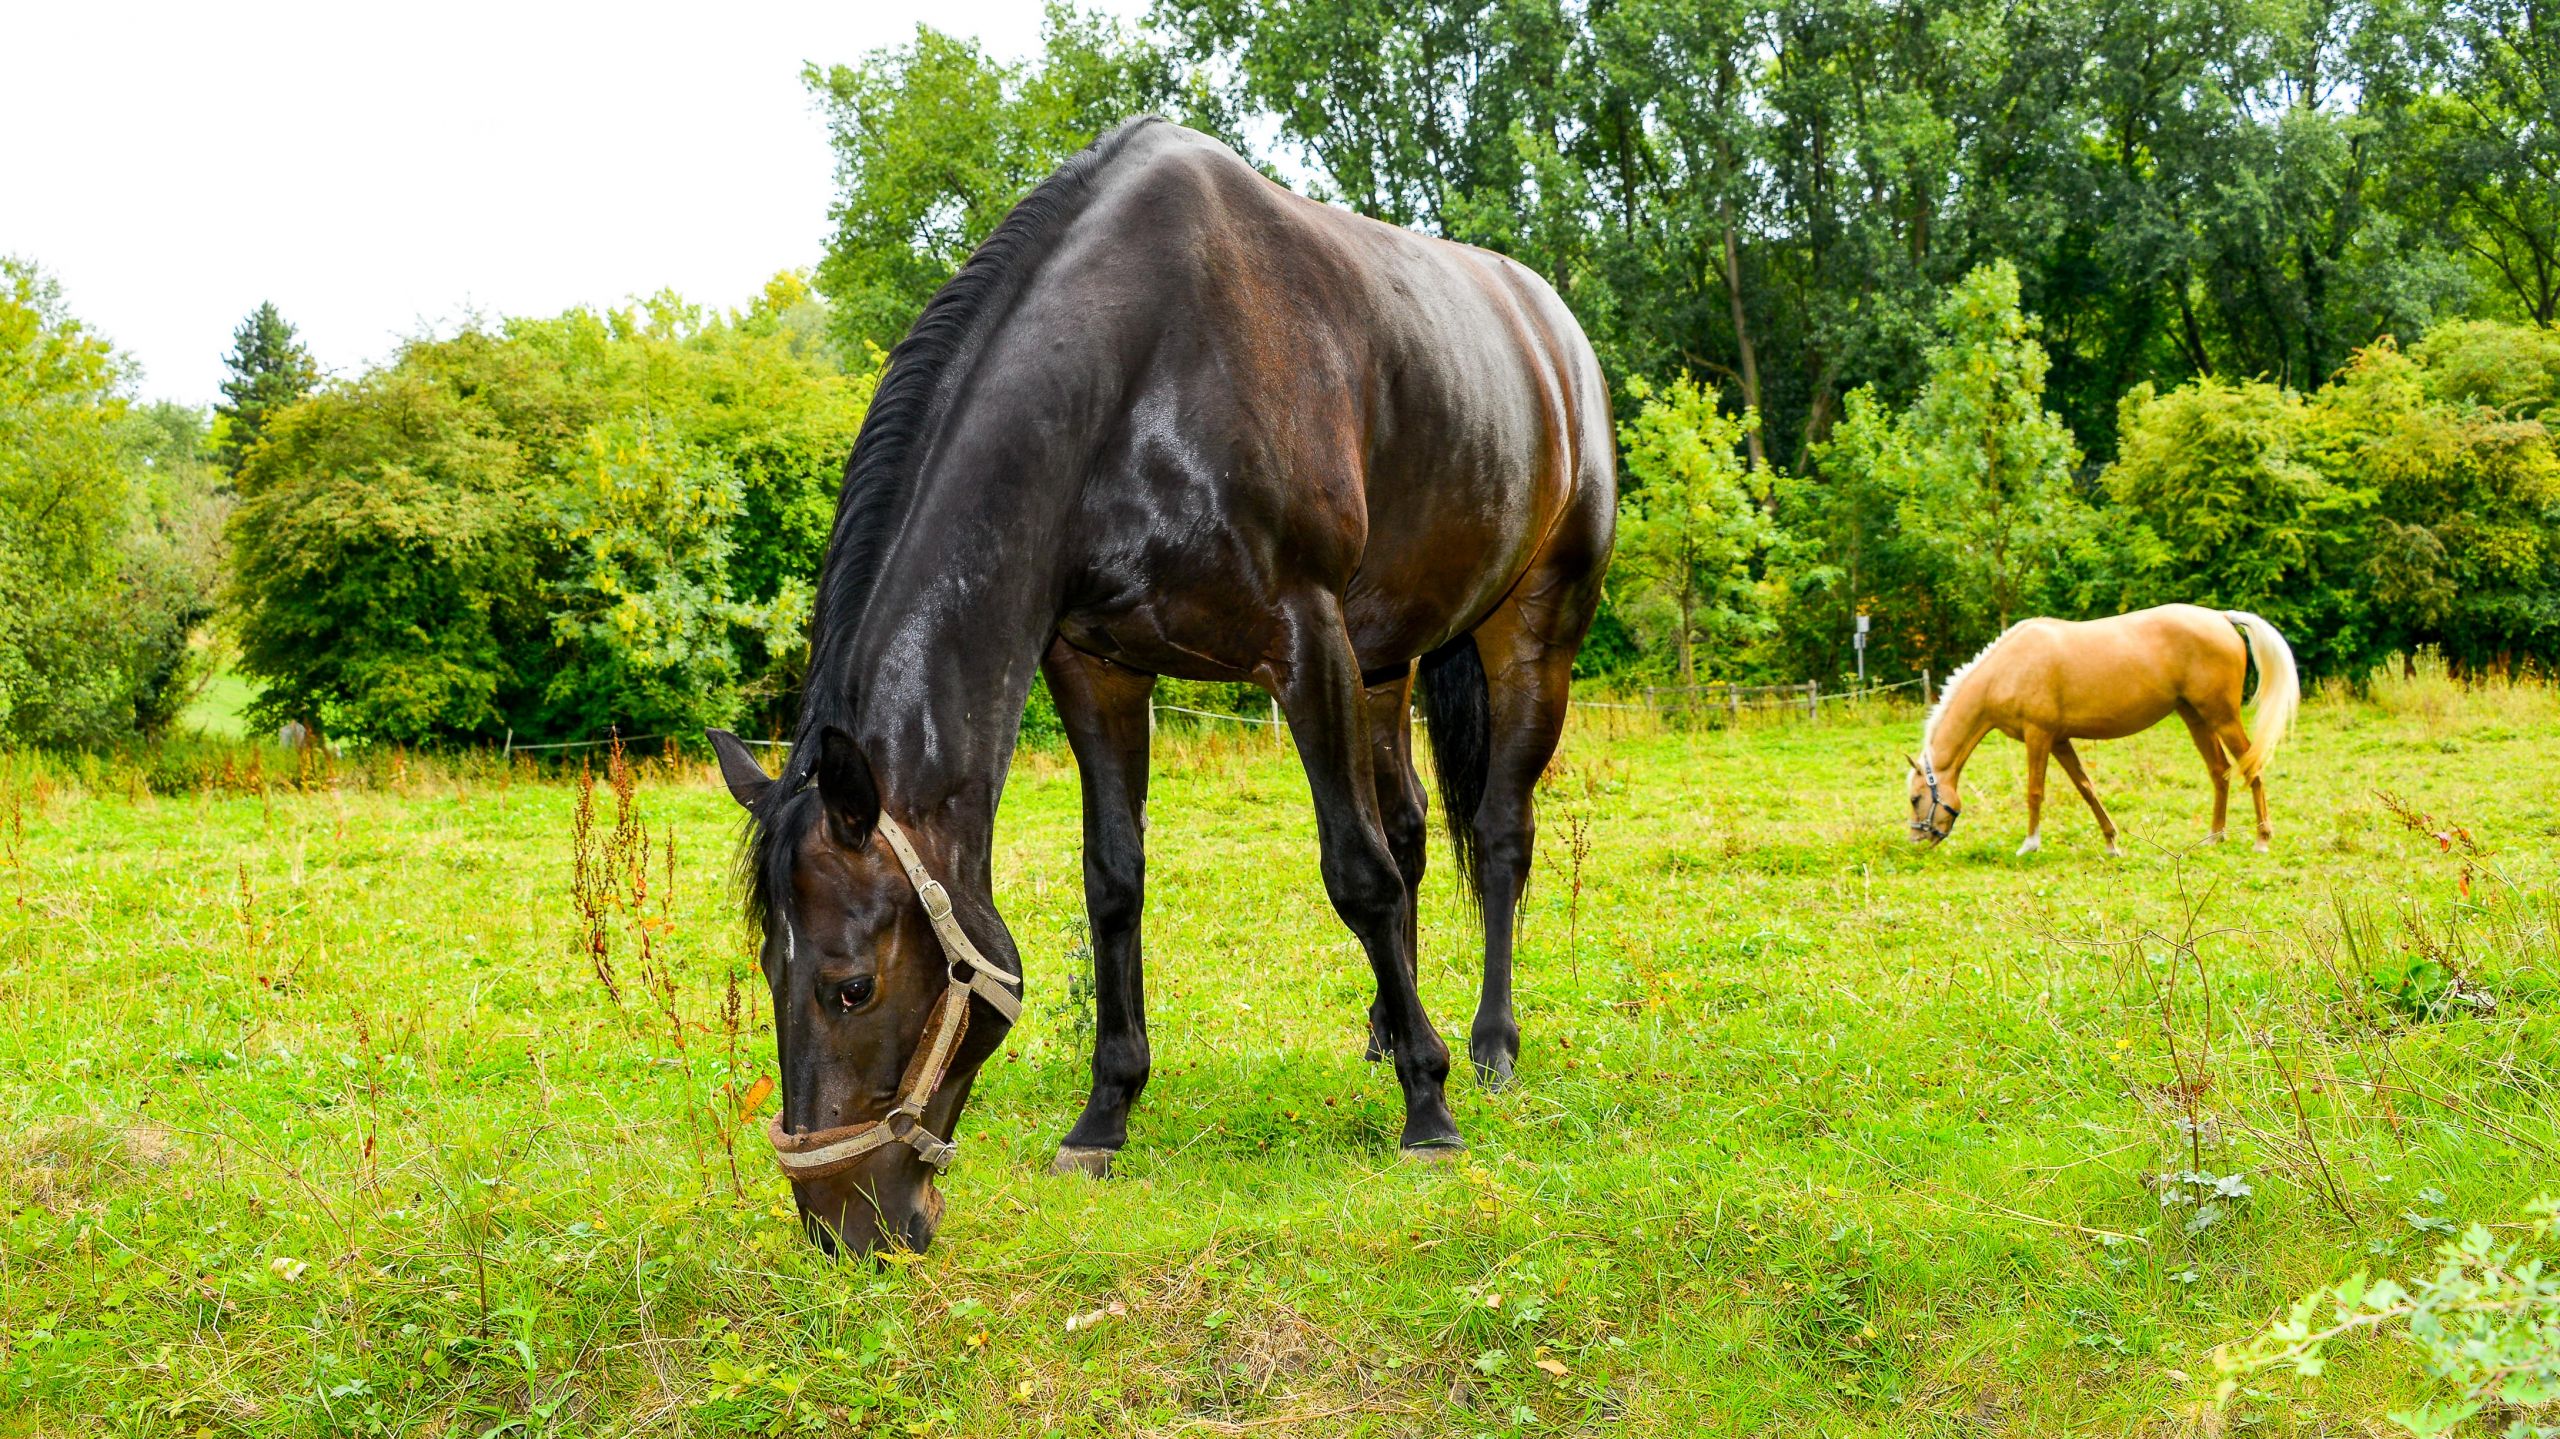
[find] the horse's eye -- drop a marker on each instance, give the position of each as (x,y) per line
(854,993)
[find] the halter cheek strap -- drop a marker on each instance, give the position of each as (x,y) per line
(1937,806)
(822,1152)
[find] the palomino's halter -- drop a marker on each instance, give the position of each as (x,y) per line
(1937,806)
(822,1152)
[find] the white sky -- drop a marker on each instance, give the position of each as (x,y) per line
(378,169)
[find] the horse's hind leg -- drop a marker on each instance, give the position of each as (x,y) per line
(2216,764)
(2070,758)
(1402,810)
(1527,646)
(2236,740)
(1316,678)
(1103,708)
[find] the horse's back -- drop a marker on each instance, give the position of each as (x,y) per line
(2112,677)
(1409,419)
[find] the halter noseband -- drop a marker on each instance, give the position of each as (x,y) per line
(822,1152)
(1937,806)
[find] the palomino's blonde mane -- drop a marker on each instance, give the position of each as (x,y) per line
(1947,691)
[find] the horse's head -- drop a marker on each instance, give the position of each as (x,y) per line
(1933,802)
(873,987)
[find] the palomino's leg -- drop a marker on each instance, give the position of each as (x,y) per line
(2070,758)
(1316,678)
(1402,811)
(2039,746)
(2236,739)
(1103,708)
(2216,764)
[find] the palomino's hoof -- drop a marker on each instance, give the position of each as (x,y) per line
(2262,846)
(1446,1152)
(2033,843)
(1091,1163)
(2215,838)
(2114,853)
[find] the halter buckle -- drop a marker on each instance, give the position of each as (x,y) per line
(936,900)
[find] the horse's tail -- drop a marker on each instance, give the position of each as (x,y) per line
(1458,708)
(2279,690)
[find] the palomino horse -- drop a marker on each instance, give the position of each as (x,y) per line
(2048,682)
(1170,419)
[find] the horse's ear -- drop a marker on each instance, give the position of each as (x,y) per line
(845,784)
(746,779)
(1915,764)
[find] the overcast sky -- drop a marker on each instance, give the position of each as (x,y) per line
(378,169)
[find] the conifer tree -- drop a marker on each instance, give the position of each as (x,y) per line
(269,370)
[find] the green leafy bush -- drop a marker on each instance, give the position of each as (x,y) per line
(549,527)
(2487,1321)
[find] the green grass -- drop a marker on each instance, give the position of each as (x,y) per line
(314,1119)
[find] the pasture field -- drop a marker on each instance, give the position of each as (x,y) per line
(316,1117)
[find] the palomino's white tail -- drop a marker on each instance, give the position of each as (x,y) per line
(2279,690)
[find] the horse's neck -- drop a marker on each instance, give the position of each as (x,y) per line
(1960,726)
(947,647)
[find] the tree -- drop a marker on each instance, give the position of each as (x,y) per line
(105,531)
(269,370)
(1690,531)
(1954,518)
(2492,146)
(935,141)
(1987,492)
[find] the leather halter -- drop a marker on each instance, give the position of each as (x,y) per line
(1937,806)
(822,1152)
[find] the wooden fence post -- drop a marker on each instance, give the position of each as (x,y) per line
(1924,689)
(1813,699)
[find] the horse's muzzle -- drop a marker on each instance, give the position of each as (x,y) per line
(861,1213)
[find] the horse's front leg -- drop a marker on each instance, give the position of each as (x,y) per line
(1402,810)
(1316,678)
(2039,749)
(1103,708)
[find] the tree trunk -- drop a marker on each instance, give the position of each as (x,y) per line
(1742,341)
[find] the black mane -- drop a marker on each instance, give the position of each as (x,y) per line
(880,482)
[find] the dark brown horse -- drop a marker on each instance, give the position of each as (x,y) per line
(1169,420)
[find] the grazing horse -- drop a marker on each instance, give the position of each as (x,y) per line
(2048,682)
(1170,419)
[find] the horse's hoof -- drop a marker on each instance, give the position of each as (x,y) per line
(1091,1163)
(2262,846)
(1446,1151)
(2114,853)
(1496,1074)
(1376,1052)
(2033,843)
(2215,838)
